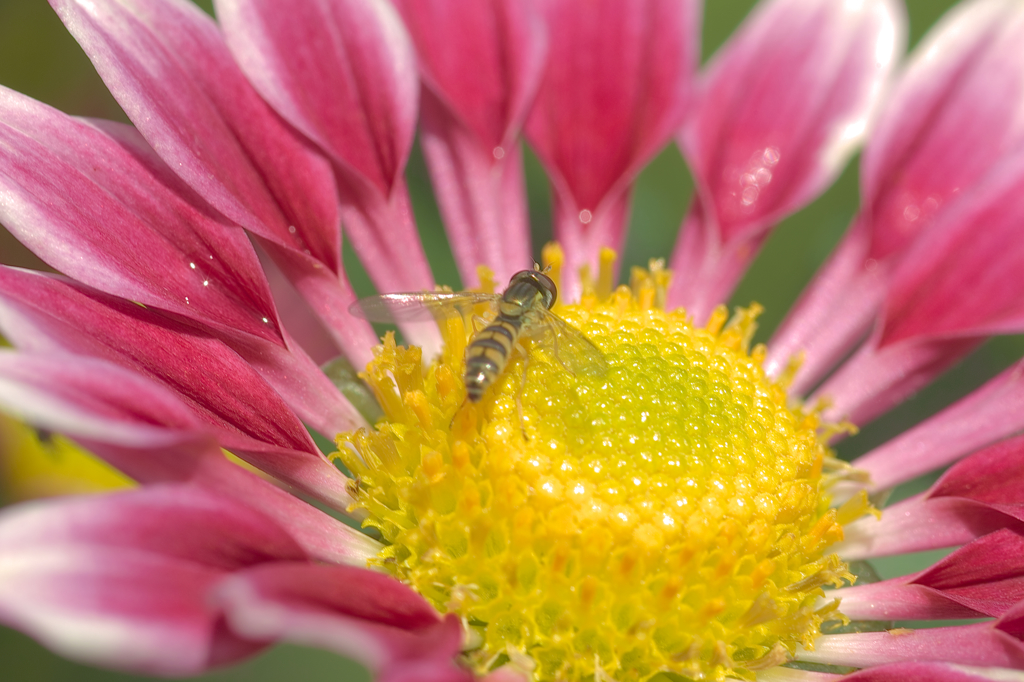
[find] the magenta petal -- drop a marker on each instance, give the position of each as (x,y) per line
(482,198)
(922,523)
(123,580)
(876,379)
(983,578)
(989,414)
(343,73)
(46,313)
(981,645)
(481,66)
(775,122)
(365,615)
(168,67)
(951,116)
(600,112)
(120,220)
(929,672)
(994,476)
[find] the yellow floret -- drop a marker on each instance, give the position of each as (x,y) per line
(666,515)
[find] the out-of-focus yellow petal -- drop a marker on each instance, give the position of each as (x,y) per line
(34,464)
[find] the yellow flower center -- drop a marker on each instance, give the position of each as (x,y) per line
(668,514)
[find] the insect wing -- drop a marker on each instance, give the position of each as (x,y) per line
(570,347)
(422,306)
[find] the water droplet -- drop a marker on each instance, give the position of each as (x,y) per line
(771,156)
(499,153)
(911,212)
(206,282)
(192,265)
(291,229)
(749,195)
(586,216)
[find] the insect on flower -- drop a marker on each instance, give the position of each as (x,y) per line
(523,310)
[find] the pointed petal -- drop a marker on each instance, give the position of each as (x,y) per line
(123,580)
(367,616)
(47,313)
(965,279)
(993,476)
(167,65)
(896,600)
(483,62)
(343,73)
(775,122)
(951,116)
(601,113)
(120,220)
(989,414)
(481,66)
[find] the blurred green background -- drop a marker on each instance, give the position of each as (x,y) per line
(39,58)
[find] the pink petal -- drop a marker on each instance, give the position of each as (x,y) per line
(962,283)
(981,645)
(344,74)
(775,122)
(993,476)
(930,672)
(123,580)
(989,414)
(47,313)
(115,200)
(145,430)
(952,115)
(875,380)
(481,66)
(482,198)
(367,616)
(921,523)
(167,65)
(601,113)
(983,578)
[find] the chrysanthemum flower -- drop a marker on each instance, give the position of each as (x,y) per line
(677,510)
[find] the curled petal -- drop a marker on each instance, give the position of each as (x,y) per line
(775,121)
(124,580)
(47,313)
(481,66)
(367,616)
(952,115)
(601,113)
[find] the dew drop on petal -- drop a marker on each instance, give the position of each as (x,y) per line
(586,216)
(498,152)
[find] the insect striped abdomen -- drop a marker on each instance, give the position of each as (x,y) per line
(488,354)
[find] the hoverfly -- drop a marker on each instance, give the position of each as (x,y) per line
(522,310)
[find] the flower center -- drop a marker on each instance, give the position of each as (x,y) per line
(667,514)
